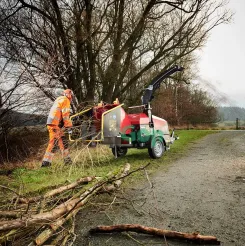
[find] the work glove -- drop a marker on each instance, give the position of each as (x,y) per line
(69,131)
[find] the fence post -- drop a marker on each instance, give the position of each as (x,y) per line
(237,123)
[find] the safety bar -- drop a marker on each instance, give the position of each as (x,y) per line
(102,125)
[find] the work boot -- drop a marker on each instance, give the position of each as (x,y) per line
(67,161)
(46,164)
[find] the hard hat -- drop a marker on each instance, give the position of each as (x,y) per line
(68,93)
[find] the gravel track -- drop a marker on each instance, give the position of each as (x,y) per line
(203,191)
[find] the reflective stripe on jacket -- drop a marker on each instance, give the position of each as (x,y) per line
(59,112)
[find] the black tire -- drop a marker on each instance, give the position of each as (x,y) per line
(157,150)
(150,153)
(119,152)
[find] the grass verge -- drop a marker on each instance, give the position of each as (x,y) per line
(97,161)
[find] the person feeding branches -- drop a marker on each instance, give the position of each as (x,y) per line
(58,121)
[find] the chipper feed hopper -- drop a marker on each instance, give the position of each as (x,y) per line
(110,124)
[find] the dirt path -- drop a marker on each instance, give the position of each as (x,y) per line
(204,191)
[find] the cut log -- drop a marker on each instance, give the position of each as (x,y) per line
(194,237)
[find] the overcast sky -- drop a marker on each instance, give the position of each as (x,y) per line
(222,60)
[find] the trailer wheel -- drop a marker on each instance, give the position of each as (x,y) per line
(157,150)
(118,151)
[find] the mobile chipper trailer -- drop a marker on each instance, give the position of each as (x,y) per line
(111,125)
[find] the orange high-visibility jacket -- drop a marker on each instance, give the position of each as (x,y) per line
(59,112)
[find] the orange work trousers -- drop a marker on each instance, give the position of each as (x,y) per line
(56,139)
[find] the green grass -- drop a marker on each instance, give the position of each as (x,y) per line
(97,161)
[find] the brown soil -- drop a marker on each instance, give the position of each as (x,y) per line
(203,191)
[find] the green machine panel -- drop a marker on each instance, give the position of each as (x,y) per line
(144,134)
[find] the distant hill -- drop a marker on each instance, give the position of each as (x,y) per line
(21,119)
(231,113)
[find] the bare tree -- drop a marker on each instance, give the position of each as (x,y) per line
(102,49)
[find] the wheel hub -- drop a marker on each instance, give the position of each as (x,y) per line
(158,148)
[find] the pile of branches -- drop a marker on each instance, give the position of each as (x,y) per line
(50,217)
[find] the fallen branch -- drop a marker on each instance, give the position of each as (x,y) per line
(46,234)
(7,188)
(49,223)
(116,181)
(194,237)
(11,214)
(57,191)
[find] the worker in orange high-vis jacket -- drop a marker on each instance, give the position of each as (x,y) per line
(58,121)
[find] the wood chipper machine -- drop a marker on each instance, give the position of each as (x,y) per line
(110,124)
